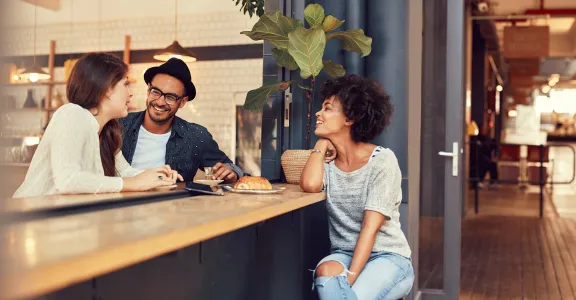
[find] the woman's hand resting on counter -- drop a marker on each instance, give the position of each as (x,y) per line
(151,179)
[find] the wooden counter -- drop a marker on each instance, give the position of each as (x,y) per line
(41,256)
(60,202)
(14,174)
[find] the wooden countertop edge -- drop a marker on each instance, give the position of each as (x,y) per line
(53,277)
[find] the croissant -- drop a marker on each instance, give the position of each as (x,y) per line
(253,183)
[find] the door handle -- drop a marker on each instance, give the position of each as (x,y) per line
(454,155)
(287,102)
(444,153)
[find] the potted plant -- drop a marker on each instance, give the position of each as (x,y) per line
(251,7)
(297,47)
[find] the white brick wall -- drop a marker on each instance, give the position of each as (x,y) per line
(219,83)
(195,30)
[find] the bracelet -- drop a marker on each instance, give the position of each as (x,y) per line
(316,151)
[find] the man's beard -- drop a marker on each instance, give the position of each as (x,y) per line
(159,119)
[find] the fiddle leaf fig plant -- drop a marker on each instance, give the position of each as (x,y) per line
(260,96)
(297,47)
(251,7)
(333,69)
(284,59)
(273,27)
(307,46)
(353,40)
(330,23)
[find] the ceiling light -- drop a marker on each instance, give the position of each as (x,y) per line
(34,73)
(175,50)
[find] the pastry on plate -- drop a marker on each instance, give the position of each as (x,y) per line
(253,183)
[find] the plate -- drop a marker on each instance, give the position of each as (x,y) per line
(164,188)
(208,182)
(274,190)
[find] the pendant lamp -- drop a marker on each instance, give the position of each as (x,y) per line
(34,73)
(175,49)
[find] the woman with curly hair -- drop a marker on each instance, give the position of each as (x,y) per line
(370,256)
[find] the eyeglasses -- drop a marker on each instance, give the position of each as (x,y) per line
(169,98)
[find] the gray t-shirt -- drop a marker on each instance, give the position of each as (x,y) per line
(377,187)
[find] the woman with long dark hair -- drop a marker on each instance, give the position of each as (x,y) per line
(370,256)
(80,149)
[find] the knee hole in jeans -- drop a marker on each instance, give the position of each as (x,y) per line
(329,268)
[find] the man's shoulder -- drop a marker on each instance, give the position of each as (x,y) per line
(126,121)
(189,126)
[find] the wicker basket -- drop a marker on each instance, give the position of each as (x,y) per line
(293,162)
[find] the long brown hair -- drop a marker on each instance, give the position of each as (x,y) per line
(92,77)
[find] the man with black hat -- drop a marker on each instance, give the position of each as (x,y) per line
(156,136)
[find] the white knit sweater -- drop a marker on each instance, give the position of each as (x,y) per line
(67,160)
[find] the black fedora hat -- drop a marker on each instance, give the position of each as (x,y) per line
(176,68)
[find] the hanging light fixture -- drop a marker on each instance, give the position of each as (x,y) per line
(100,25)
(175,49)
(34,73)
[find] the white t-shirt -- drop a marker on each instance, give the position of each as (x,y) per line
(150,150)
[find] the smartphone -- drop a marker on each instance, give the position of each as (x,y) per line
(196,189)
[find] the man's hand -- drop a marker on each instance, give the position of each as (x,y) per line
(222,171)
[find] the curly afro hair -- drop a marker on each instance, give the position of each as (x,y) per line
(364,102)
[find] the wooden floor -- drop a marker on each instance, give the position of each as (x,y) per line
(507,251)
(518,258)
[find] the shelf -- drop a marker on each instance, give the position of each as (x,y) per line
(26,109)
(13,164)
(20,136)
(34,83)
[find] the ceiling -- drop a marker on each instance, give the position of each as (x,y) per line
(507,7)
(562,28)
(558,15)
(20,13)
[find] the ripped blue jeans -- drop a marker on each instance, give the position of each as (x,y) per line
(385,276)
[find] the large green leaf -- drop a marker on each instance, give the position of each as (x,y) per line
(353,40)
(273,27)
(284,59)
(314,14)
(255,99)
(307,48)
(333,69)
(331,23)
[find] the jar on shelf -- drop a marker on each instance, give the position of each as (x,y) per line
(56,100)
(30,100)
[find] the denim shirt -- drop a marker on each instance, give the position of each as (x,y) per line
(189,148)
